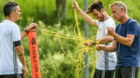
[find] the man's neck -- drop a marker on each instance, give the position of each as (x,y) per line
(124,19)
(106,16)
(10,18)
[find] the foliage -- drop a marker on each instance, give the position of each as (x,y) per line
(54,62)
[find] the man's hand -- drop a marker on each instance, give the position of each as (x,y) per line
(25,71)
(110,31)
(75,5)
(98,48)
(88,44)
(32,25)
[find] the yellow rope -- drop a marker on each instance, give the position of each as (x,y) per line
(80,40)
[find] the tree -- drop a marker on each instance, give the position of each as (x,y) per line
(61,8)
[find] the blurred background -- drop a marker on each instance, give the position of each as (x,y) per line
(58,16)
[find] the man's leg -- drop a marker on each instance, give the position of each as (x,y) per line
(20,76)
(137,71)
(129,72)
(1,76)
(103,73)
(97,73)
(118,72)
(109,73)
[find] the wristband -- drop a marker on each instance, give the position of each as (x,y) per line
(26,31)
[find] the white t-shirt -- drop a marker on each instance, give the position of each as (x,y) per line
(105,61)
(9,32)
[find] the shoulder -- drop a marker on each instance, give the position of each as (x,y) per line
(14,25)
(9,23)
(132,21)
(133,25)
(110,23)
(117,27)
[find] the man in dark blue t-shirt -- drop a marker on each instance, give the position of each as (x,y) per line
(126,42)
(127,54)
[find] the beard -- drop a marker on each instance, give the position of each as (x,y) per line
(101,18)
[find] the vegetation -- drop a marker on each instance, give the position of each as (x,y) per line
(54,62)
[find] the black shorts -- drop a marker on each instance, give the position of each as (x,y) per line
(126,72)
(12,76)
(103,73)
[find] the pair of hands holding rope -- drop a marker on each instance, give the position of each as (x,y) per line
(110,32)
(96,42)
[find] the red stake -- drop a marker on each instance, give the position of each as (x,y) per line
(35,67)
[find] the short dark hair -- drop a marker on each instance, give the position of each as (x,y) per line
(95,5)
(8,7)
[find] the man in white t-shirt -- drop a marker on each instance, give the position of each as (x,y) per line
(106,62)
(12,61)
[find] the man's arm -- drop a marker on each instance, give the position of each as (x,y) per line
(103,40)
(106,39)
(85,16)
(20,53)
(128,40)
(111,48)
(25,32)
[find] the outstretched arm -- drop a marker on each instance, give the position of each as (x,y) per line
(85,16)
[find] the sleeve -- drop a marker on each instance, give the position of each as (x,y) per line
(16,35)
(97,22)
(116,30)
(109,24)
(133,28)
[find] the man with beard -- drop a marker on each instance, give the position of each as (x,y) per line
(106,62)
(126,43)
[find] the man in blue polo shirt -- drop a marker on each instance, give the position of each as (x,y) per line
(127,42)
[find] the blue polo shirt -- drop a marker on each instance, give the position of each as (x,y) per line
(129,56)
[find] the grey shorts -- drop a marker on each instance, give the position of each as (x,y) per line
(126,72)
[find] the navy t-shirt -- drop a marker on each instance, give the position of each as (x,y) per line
(129,56)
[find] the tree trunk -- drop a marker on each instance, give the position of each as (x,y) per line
(61,8)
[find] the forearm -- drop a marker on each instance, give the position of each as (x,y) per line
(20,53)
(108,48)
(22,59)
(86,17)
(106,39)
(23,34)
(123,40)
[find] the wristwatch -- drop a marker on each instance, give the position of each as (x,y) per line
(26,30)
